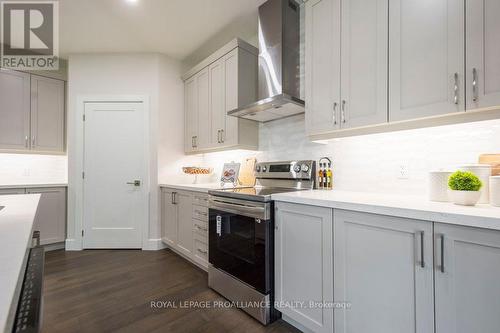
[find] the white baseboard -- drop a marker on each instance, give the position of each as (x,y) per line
(295,324)
(53,247)
(73,244)
(153,245)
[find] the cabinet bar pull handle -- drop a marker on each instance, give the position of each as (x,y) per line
(202,251)
(455,89)
(222,136)
(475,93)
(26,141)
(442,252)
(33,141)
(422,260)
(174,198)
(335,113)
(343,111)
(219,137)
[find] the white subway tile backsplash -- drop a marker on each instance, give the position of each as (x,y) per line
(18,169)
(371,162)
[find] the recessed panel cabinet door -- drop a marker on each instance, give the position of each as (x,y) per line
(232,96)
(50,217)
(191,113)
(203,95)
(383,267)
(14,110)
(184,203)
(322,65)
(304,265)
(168,218)
(483,53)
(364,62)
(217,102)
(47,114)
(467,279)
(426,58)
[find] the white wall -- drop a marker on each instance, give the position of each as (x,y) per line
(22,169)
(152,75)
(371,162)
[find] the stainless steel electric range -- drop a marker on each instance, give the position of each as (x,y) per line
(241,236)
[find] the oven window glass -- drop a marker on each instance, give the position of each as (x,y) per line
(240,246)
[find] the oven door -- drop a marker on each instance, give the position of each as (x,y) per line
(241,235)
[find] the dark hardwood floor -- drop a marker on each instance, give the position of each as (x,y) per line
(112,290)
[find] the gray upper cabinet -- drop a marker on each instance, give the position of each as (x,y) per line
(47,114)
(322,65)
(426,58)
(225,81)
(14,110)
(467,279)
(32,110)
(383,266)
(483,53)
(346,64)
(364,62)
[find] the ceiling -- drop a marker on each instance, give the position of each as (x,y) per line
(173,27)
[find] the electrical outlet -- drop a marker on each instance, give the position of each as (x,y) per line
(403,171)
(26,172)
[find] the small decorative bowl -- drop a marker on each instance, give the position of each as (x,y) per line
(197,170)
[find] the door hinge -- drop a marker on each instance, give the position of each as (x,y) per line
(83,175)
(83,232)
(84,117)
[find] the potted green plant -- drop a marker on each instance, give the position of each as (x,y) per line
(464,186)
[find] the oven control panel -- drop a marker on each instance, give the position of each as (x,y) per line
(286,169)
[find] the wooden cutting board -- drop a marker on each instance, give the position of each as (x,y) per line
(246,176)
(493,160)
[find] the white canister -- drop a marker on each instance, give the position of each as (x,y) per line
(438,185)
(483,171)
(495,190)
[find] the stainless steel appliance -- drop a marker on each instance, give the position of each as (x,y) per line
(241,236)
(279,63)
(28,317)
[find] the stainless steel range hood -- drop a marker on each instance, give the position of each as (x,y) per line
(279,64)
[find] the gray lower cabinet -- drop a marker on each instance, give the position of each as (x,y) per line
(9,191)
(50,217)
(384,269)
(184,224)
(304,265)
(467,279)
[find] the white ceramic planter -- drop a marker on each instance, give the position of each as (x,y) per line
(465,198)
(495,190)
(438,185)
(483,171)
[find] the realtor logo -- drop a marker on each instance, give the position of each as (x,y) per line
(29,35)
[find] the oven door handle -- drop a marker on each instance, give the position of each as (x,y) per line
(245,210)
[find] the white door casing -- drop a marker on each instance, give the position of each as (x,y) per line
(114,149)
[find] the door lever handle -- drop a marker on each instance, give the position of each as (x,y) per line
(135,183)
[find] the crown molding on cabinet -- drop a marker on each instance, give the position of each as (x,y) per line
(234,43)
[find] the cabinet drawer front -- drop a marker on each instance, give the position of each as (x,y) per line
(200,249)
(201,228)
(200,200)
(200,213)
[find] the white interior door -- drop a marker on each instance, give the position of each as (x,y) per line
(114,157)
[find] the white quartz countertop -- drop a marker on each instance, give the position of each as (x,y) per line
(204,188)
(407,206)
(16,226)
(33,185)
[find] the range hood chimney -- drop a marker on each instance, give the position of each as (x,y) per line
(279,64)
